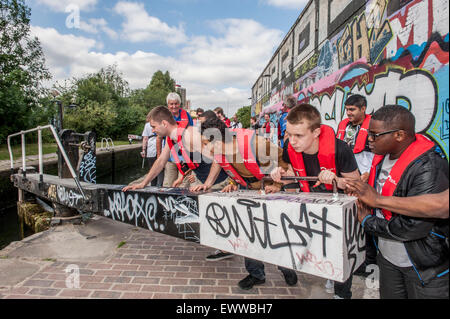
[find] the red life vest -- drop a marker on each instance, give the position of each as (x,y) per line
(244,140)
(181,148)
(416,149)
(227,122)
(360,144)
(326,156)
(267,127)
(184,119)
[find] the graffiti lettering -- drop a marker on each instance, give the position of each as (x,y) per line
(238,244)
(182,211)
(260,229)
(88,168)
(355,239)
(67,197)
(130,207)
(380,93)
(324,267)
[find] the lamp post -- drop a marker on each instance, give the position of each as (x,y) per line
(60,123)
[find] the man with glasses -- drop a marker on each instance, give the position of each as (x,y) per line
(413,252)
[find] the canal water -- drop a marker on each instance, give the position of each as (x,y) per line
(9,221)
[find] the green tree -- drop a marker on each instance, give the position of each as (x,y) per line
(156,92)
(22,68)
(244,115)
(103,104)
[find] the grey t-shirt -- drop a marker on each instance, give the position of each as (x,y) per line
(392,250)
(364,159)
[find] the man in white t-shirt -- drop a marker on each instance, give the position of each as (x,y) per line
(149,152)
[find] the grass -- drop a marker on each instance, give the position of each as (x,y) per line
(32,149)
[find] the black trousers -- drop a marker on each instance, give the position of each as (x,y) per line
(371,250)
(256,268)
(158,182)
(403,283)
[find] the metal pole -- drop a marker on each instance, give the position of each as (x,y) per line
(66,158)
(10,155)
(305,178)
(41,162)
(60,110)
(24,166)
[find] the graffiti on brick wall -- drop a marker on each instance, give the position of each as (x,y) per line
(376,51)
(366,36)
(424,93)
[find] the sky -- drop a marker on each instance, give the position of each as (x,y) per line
(216,49)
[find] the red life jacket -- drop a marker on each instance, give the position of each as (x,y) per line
(326,156)
(360,144)
(267,127)
(244,140)
(227,122)
(184,119)
(181,148)
(416,149)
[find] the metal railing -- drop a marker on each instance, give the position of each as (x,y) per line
(108,146)
(41,162)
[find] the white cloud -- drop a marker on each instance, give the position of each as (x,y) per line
(236,56)
(216,70)
(141,27)
(61,5)
(288,4)
(94,25)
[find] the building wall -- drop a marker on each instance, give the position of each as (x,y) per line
(391,51)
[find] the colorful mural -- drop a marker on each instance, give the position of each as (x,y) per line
(392,52)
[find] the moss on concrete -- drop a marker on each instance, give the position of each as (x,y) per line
(34,216)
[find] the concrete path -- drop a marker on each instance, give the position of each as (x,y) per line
(146,265)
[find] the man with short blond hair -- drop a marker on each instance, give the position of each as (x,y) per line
(184,144)
(312,149)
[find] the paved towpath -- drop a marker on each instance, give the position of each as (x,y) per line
(146,265)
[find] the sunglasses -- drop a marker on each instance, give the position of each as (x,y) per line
(375,135)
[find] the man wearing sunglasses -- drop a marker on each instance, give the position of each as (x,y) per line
(413,252)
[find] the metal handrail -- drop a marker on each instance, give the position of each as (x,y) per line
(107,143)
(41,163)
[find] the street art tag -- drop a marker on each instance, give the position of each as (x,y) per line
(311,233)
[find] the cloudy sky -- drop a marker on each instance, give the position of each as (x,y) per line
(216,49)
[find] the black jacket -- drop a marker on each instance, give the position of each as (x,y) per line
(425,239)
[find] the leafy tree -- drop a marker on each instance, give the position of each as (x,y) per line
(92,116)
(156,92)
(107,84)
(244,115)
(22,68)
